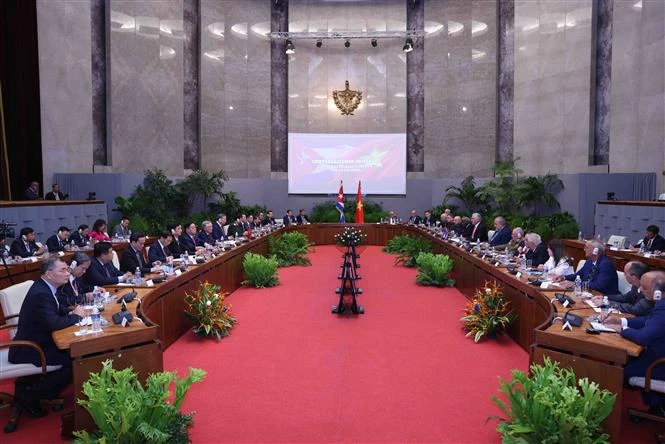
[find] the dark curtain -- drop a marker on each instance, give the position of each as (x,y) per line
(19,77)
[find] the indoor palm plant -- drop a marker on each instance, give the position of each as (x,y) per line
(126,412)
(487,314)
(407,249)
(552,406)
(206,308)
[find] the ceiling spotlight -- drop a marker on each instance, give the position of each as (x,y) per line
(347,43)
(408,46)
(319,42)
(374,43)
(290,49)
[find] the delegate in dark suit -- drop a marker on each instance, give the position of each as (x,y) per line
(302,219)
(190,243)
(657,243)
(538,256)
(158,252)
(51,196)
(205,238)
(41,314)
(78,240)
(429,221)
(632,302)
(176,247)
(415,220)
(502,237)
(102,274)
(218,231)
(477,232)
(69,296)
(289,220)
(23,249)
(132,259)
(648,331)
(54,243)
(602,275)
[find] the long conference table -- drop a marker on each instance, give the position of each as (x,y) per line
(599,357)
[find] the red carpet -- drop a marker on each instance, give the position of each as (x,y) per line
(294,372)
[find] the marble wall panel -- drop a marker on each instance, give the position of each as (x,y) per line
(146,81)
(379,72)
(65,84)
(235,87)
(552,85)
(637,136)
(460,88)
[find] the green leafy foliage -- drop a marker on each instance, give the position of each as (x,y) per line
(433,270)
(325,212)
(467,193)
(290,249)
(260,271)
(407,249)
(201,184)
(124,411)
(230,205)
(552,406)
(557,225)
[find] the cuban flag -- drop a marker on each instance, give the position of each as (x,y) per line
(340,202)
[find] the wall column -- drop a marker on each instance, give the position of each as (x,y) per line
(505,80)
(279,88)
(415,93)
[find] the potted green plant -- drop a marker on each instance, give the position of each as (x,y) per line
(126,412)
(290,249)
(407,249)
(434,270)
(553,406)
(260,271)
(207,309)
(487,314)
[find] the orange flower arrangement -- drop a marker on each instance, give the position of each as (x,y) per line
(206,307)
(487,314)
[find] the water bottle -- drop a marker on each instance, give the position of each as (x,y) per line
(45,251)
(96,320)
(506,252)
(579,236)
(578,286)
(137,275)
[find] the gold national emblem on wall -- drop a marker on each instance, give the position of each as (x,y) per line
(347,100)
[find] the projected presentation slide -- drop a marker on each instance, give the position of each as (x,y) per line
(317,162)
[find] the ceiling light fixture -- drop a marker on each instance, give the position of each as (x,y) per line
(374,43)
(408,46)
(347,43)
(319,42)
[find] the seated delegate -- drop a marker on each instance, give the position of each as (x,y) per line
(102,271)
(58,241)
(598,270)
(26,244)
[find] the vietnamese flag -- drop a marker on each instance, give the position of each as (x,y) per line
(360,209)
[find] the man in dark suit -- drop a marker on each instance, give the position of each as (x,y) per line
(32,192)
(502,233)
(58,241)
(41,314)
(176,247)
(302,218)
(536,250)
(80,236)
(159,252)
(270,219)
(414,219)
(428,220)
(190,240)
(633,301)
(477,230)
(218,227)
(76,291)
(598,270)
(648,331)
(55,193)
(289,219)
(26,245)
(102,271)
(652,240)
(132,256)
(205,235)
(122,229)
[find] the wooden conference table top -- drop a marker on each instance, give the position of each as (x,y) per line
(324,234)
